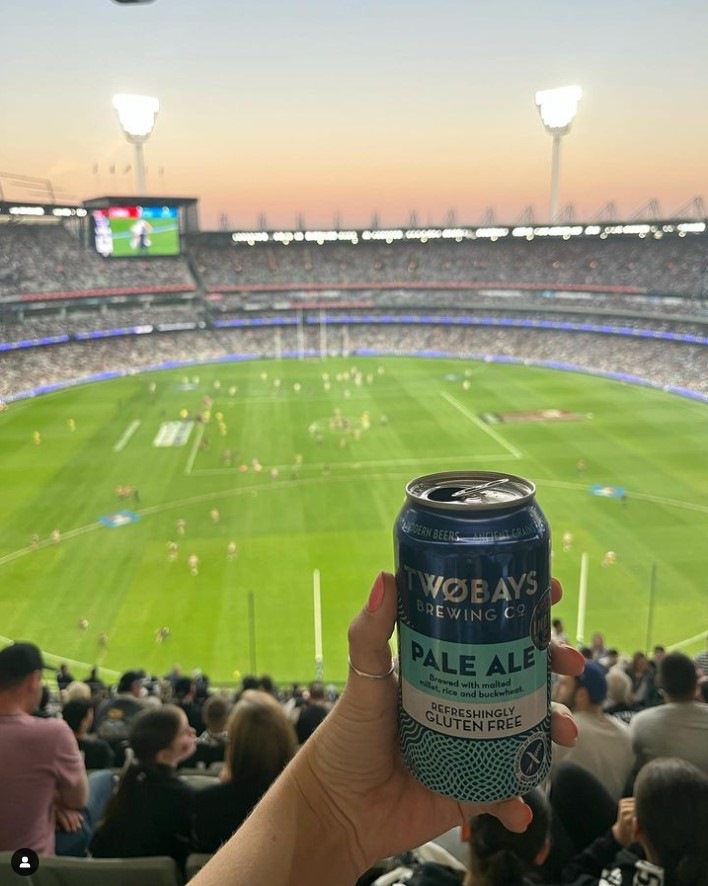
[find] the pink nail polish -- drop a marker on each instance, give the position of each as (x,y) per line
(377,594)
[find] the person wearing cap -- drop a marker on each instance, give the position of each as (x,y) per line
(115,715)
(604,745)
(42,775)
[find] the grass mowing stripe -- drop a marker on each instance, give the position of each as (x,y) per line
(482,425)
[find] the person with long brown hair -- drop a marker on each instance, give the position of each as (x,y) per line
(151,812)
(261,742)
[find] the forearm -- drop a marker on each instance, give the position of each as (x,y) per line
(285,841)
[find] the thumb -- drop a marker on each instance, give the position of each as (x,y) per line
(369,635)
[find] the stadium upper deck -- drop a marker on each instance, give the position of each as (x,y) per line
(36,260)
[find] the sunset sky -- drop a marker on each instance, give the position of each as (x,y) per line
(330,107)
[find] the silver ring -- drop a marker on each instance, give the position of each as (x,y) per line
(373,676)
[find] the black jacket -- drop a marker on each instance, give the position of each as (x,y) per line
(606,863)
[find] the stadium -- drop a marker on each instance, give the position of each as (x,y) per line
(206,436)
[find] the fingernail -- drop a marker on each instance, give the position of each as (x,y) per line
(377,594)
(569,718)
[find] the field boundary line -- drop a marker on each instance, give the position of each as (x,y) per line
(460,407)
(638,496)
(702,636)
(127,434)
(195,446)
(70,661)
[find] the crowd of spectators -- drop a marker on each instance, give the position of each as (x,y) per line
(662,363)
(668,265)
(47,258)
(196,759)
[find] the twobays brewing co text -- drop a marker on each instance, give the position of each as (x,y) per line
(443,597)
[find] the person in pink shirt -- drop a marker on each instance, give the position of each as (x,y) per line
(42,777)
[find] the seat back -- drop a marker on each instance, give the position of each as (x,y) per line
(8,877)
(65,871)
(196,862)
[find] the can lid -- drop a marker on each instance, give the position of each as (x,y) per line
(471,490)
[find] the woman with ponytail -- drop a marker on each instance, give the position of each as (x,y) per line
(150,814)
(499,857)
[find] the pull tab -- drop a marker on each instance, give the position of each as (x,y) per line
(468,492)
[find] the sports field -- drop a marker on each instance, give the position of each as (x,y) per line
(343,436)
(163,238)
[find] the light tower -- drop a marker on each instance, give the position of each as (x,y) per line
(137,114)
(557,108)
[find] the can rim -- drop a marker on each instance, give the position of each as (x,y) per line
(527,488)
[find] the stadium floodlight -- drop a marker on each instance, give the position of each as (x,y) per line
(557,108)
(137,114)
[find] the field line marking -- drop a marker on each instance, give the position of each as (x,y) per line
(71,661)
(460,407)
(127,434)
(47,543)
(639,496)
(702,636)
(317,608)
(379,463)
(195,446)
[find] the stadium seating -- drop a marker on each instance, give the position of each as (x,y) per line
(58,871)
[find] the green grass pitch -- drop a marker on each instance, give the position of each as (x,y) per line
(334,512)
(164,239)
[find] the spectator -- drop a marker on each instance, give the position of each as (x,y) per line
(644,689)
(150,814)
(261,743)
(97,753)
(115,715)
(604,746)
(42,774)
(184,699)
(499,857)
(619,695)
(597,646)
(76,690)
(678,728)
(659,836)
(94,682)
(63,676)
(558,631)
(211,743)
(312,713)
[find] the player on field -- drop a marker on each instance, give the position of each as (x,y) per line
(215,515)
(567,541)
(35,541)
(231,550)
(72,424)
(181,526)
(103,639)
(83,624)
(55,536)
(36,437)
(609,559)
(172,548)
(193,563)
(140,232)
(580,466)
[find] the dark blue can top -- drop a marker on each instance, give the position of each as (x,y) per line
(473,553)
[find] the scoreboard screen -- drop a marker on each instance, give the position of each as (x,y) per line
(136,231)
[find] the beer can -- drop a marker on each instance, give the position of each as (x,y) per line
(473,578)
